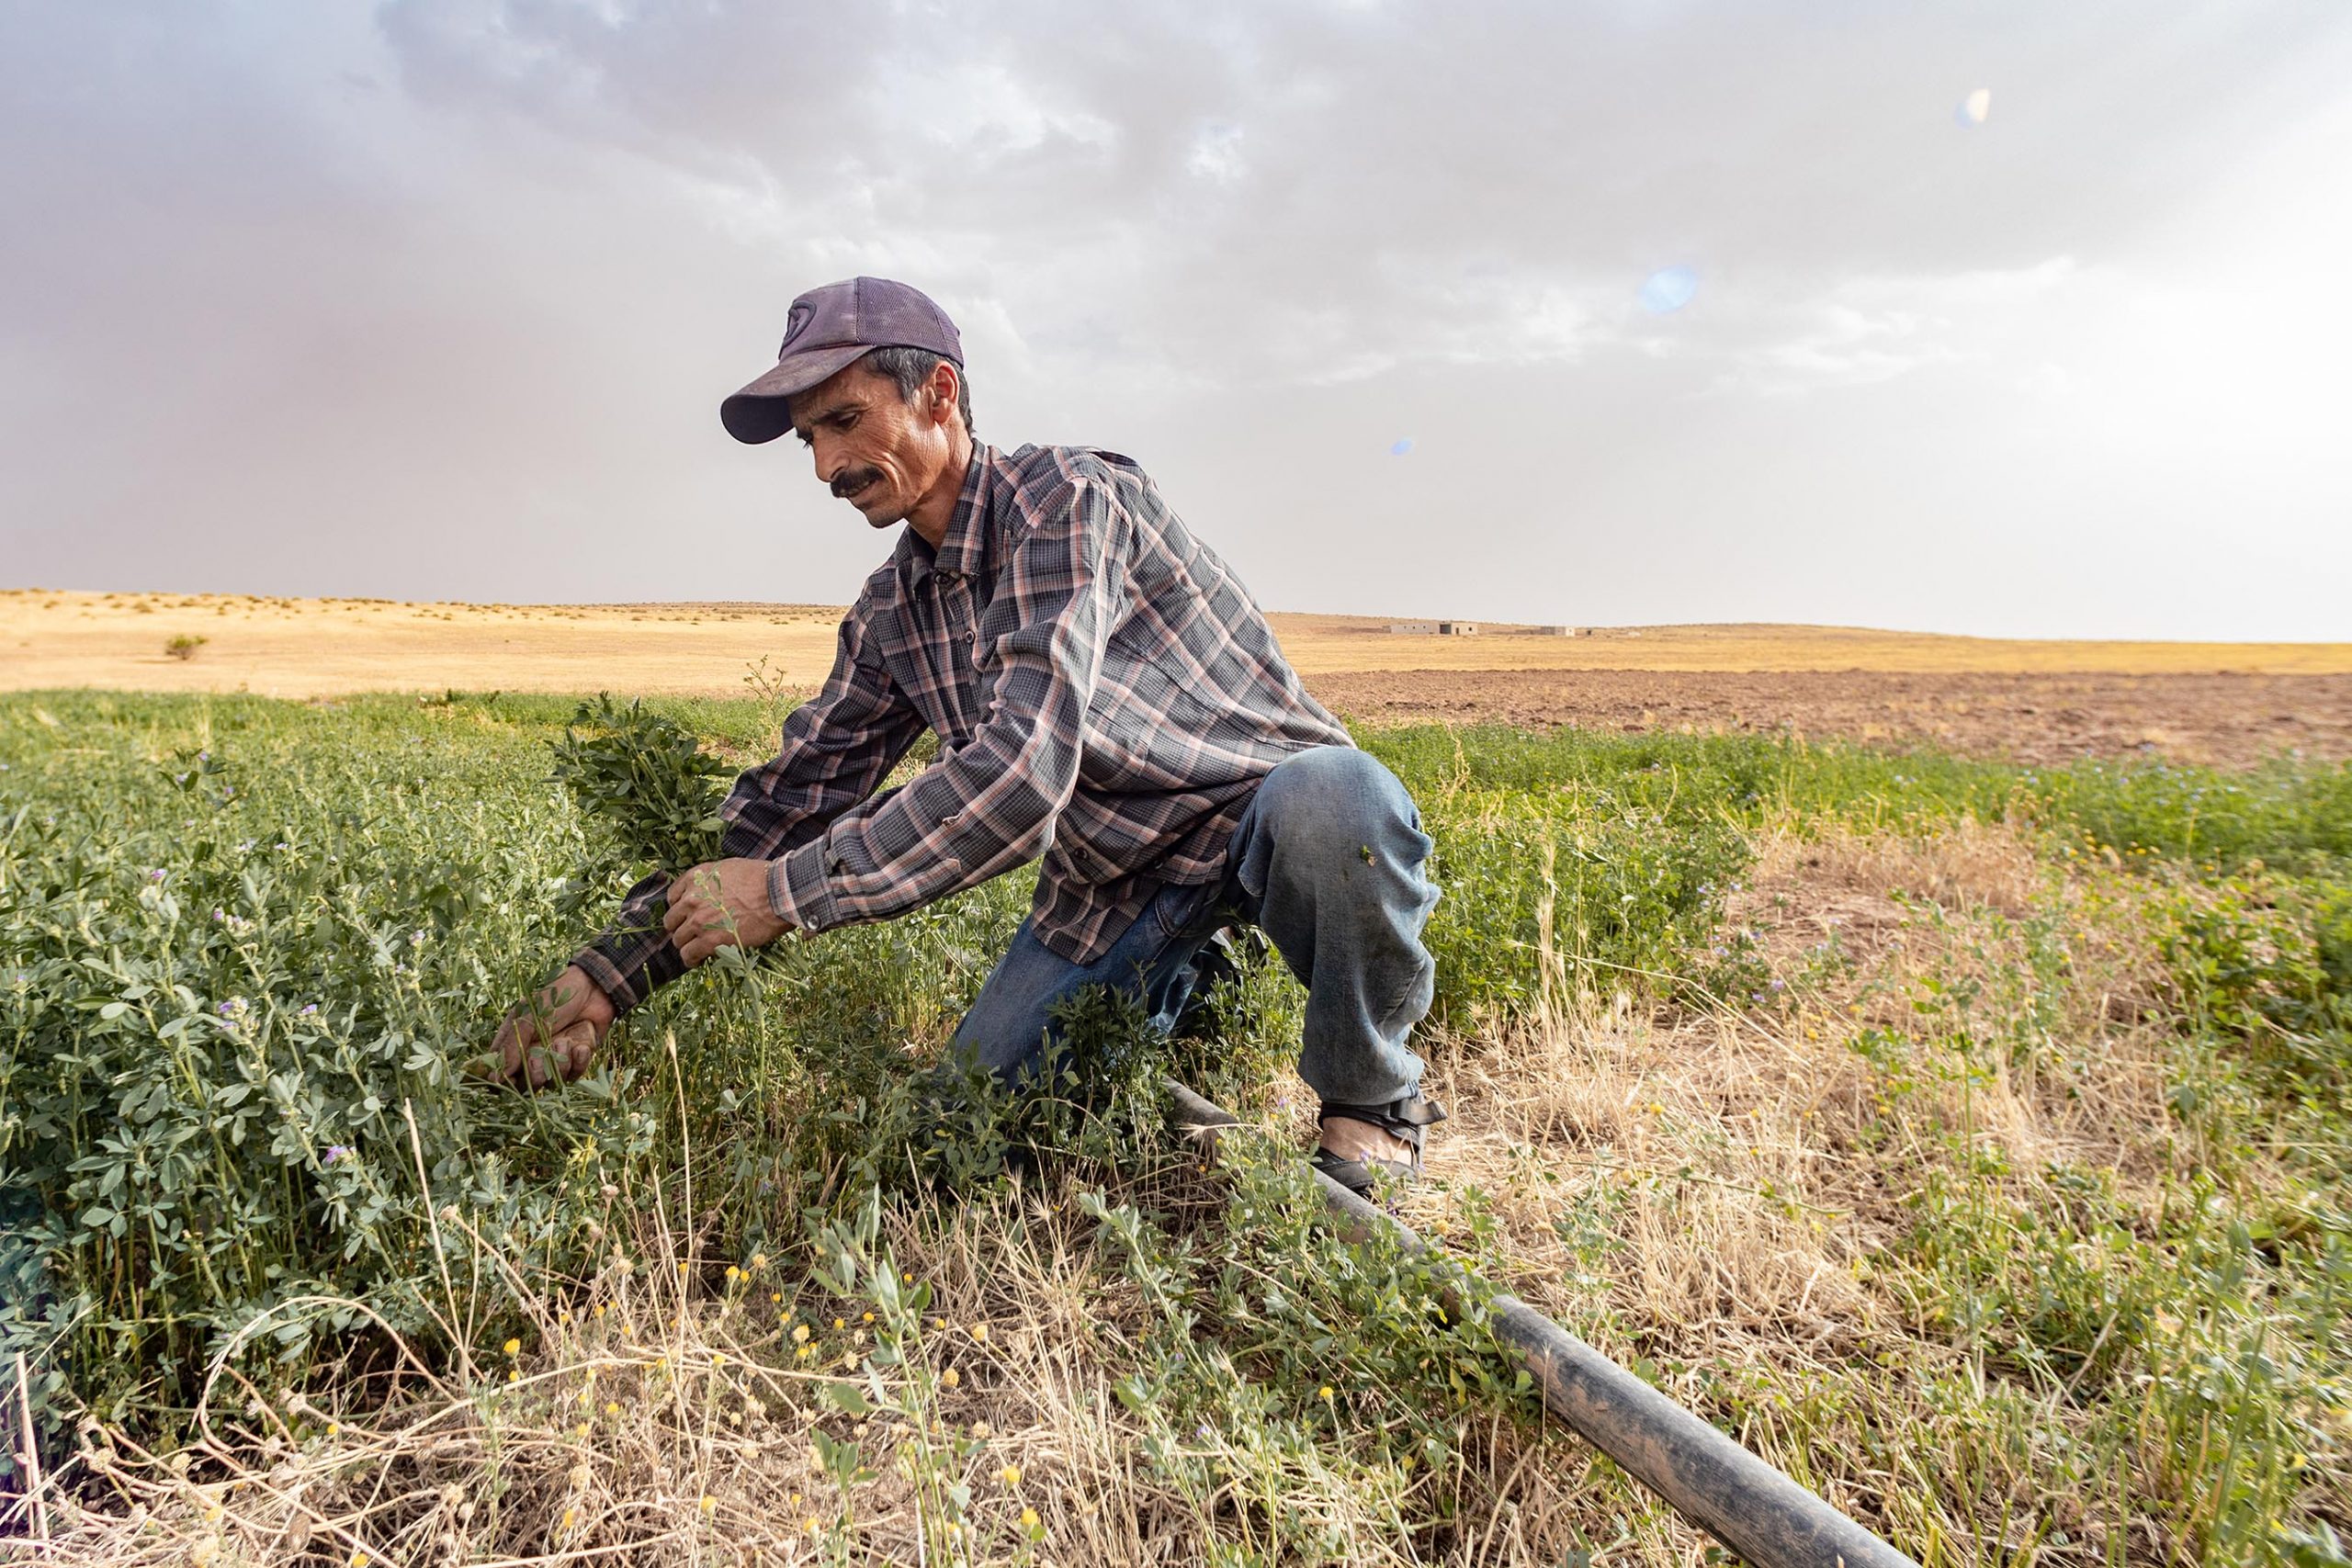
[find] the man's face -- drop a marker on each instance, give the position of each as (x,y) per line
(874,449)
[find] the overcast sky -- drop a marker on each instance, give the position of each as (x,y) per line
(437,298)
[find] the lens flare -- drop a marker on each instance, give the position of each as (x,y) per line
(1401,446)
(1972,109)
(1668,289)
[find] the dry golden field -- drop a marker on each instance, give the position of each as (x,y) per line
(307,648)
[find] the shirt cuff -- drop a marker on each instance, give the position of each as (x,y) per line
(608,977)
(797,892)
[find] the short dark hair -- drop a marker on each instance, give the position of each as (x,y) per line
(909,368)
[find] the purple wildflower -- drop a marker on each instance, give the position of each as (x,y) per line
(336,1151)
(307,1008)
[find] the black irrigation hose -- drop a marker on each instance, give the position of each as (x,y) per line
(1751,1507)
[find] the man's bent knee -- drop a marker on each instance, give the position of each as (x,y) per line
(1334,792)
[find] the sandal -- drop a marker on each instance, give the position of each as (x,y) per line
(1408,1119)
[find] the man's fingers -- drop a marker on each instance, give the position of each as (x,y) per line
(573,1047)
(515,1036)
(702,942)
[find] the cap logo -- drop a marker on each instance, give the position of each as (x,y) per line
(796,323)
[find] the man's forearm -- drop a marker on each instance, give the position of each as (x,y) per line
(633,957)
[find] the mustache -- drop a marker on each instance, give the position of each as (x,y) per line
(858,480)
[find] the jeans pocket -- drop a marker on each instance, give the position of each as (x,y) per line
(1174,909)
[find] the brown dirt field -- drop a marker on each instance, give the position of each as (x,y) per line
(2230,719)
(2229,703)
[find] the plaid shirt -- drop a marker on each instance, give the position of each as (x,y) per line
(1105,692)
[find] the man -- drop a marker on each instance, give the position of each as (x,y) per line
(1106,696)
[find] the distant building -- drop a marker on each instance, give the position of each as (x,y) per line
(1561,631)
(1457,628)
(1412,628)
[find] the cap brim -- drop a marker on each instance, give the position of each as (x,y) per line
(761,412)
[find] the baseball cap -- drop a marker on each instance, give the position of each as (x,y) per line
(829,328)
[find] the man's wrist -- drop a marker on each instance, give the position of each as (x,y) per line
(606,976)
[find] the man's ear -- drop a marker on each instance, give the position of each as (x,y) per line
(944,388)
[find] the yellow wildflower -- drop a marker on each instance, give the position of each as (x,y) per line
(951,1377)
(980,1332)
(800,1334)
(612,1408)
(709,1504)
(1324,1394)
(1010,1475)
(514,1347)
(733,1273)
(1028,1519)
(869,1317)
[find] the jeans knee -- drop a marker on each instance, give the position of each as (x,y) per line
(1337,795)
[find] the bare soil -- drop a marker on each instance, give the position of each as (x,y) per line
(2229,719)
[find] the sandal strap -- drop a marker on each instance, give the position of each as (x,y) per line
(1405,1117)
(1356,1175)
(1408,1119)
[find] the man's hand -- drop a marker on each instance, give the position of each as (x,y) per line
(554,1034)
(721,904)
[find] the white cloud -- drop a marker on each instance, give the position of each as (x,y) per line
(1865,331)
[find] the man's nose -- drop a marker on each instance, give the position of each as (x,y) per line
(830,460)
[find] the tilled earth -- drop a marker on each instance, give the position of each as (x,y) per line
(2233,720)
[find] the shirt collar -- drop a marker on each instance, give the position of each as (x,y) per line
(964,550)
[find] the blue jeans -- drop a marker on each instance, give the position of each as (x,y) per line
(1327,862)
